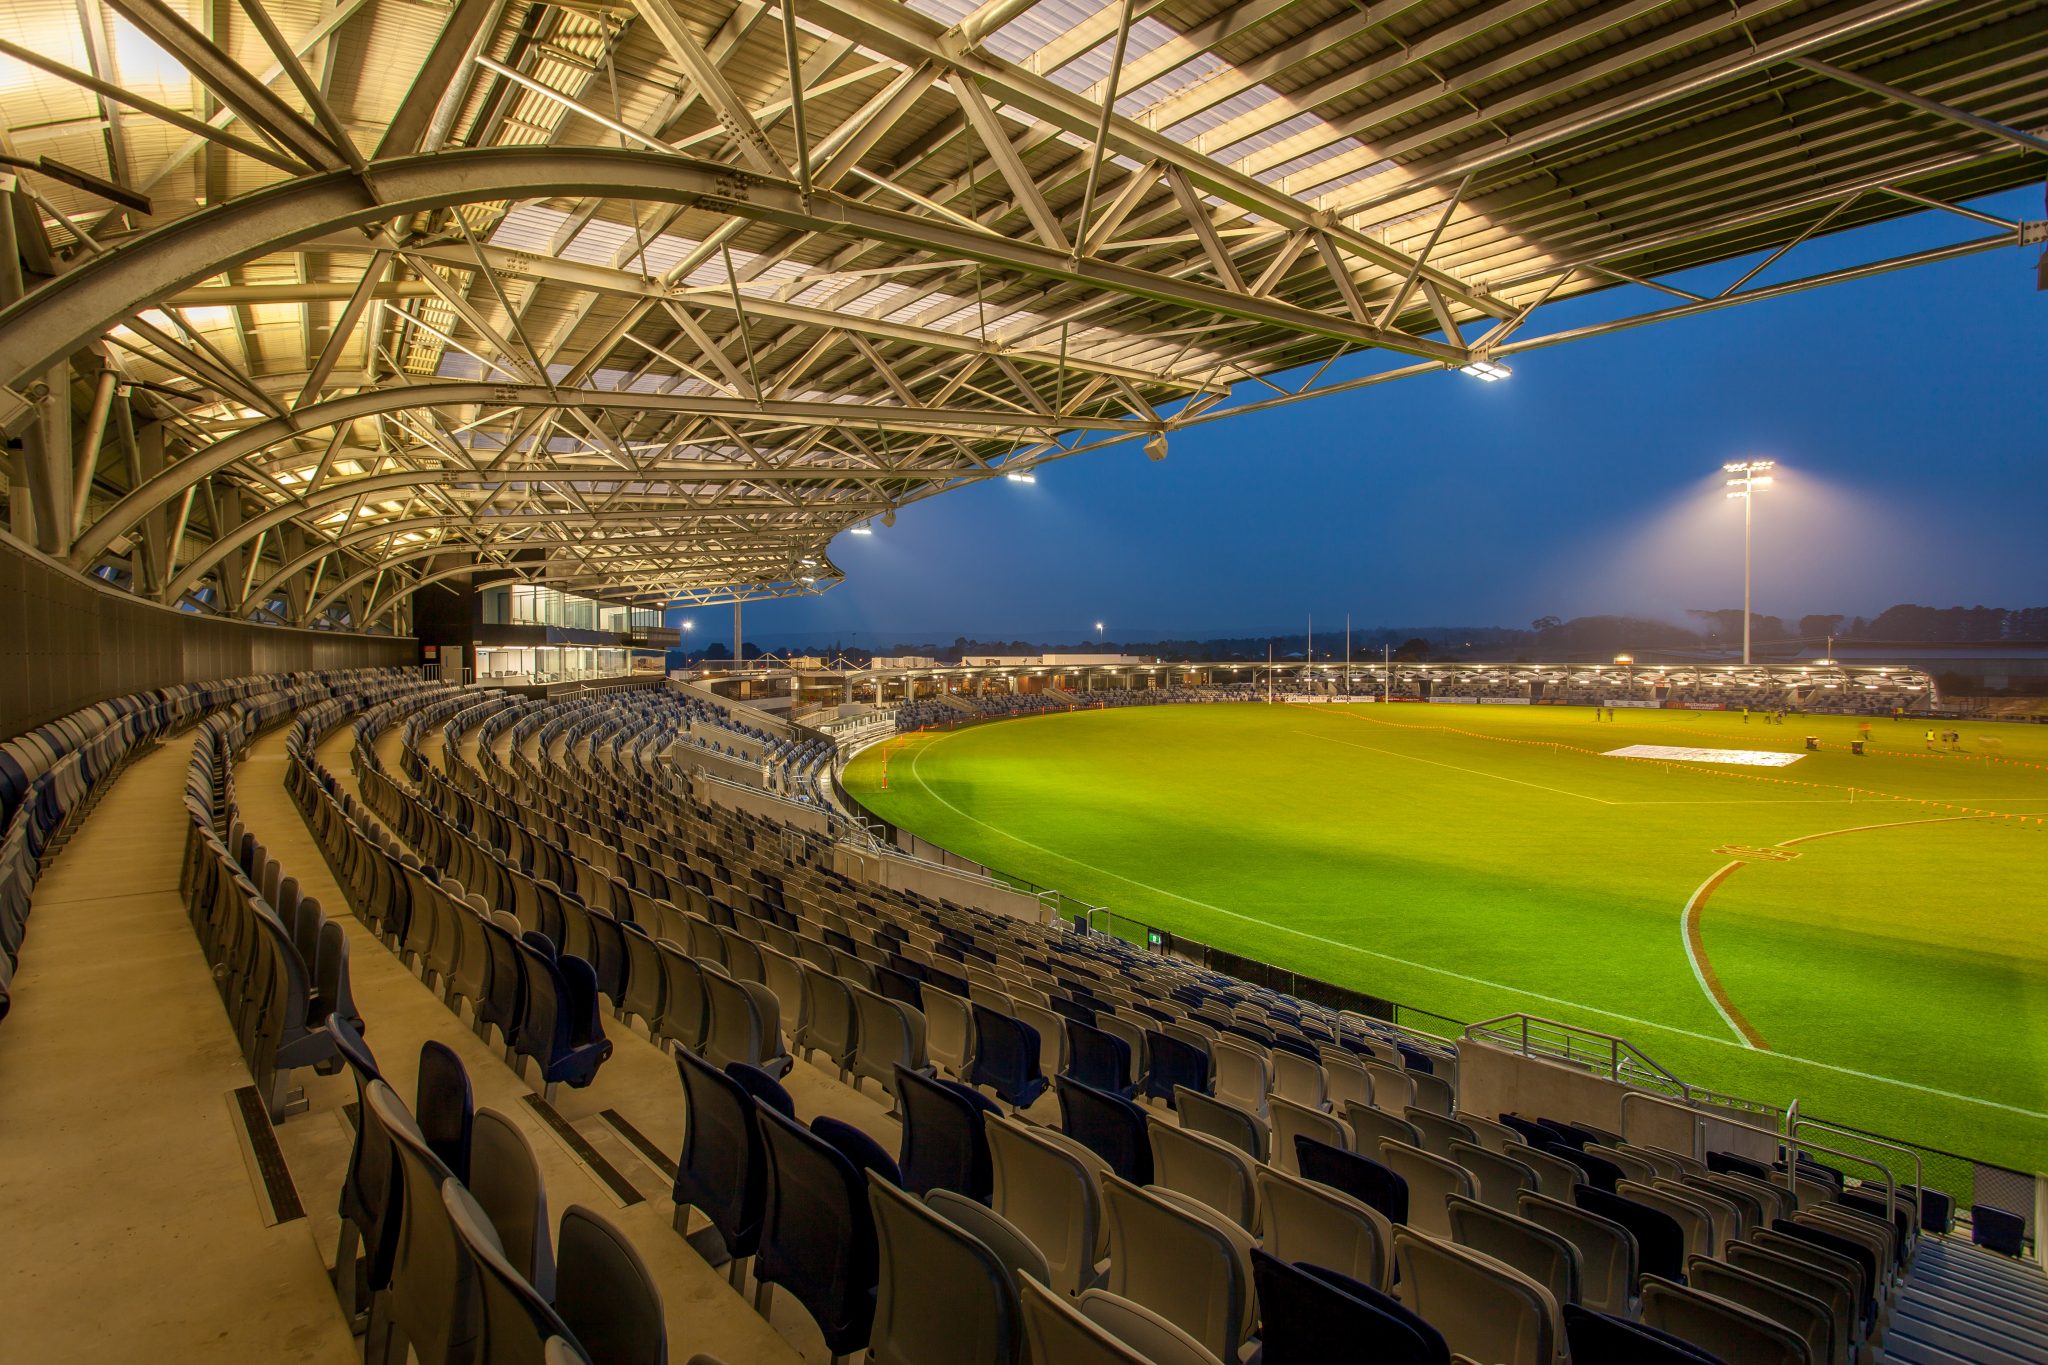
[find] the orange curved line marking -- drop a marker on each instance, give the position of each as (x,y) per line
(1697,949)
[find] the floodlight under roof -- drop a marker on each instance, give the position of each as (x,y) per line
(1021,478)
(1487,371)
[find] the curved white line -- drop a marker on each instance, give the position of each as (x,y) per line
(1692,958)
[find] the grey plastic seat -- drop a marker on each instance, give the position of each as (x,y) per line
(892,1034)
(1694,1219)
(1832,1288)
(1346,1079)
(1207,1169)
(943,1297)
(746,1025)
(1291,1120)
(1240,1128)
(1242,1074)
(1431,1180)
(1499,1177)
(1493,1136)
(505,1181)
(948,1032)
(1827,1340)
(1485,1310)
(1057,1332)
(1138,1326)
(1608,1254)
(1183,1262)
(1052,1035)
(1371,1126)
(685,1011)
(1393,1087)
(834,1026)
(605,1294)
(1050,1189)
(1729,1218)
(1555,1176)
(518,1324)
(1133,1035)
(1017,1252)
(1433,1093)
(431,1305)
(1723,1328)
(1307,1222)
(1436,1131)
(1300,1079)
(1544,1256)
(784,975)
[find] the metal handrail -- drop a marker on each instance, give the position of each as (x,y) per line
(1795,1123)
(1621,1055)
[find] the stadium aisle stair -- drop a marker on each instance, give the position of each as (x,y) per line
(1962,1303)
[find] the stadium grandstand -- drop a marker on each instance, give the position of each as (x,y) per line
(397,963)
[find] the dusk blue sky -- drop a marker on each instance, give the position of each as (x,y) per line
(1905,411)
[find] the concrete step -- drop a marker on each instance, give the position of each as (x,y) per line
(2025,1321)
(1918,1324)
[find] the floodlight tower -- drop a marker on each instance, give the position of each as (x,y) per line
(1749,477)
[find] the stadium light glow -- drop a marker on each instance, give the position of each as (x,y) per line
(1487,371)
(864,529)
(1021,478)
(1750,479)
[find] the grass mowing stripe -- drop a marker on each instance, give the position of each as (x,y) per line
(1476,772)
(918,777)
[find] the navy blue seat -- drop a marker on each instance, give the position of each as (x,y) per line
(1361,1177)
(1175,1062)
(1601,1339)
(1727,1163)
(1601,1173)
(1108,1125)
(1415,1059)
(369,1191)
(443,1108)
(1310,1315)
(1569,1135)
(1074,1008)
(857,1147)
(1100,1059)
(945,1146)
(895,985)
(560,1028)
(1659,1239)
(1937,1210)
(1997,1230)
(761,1086)
(1535,1134)
(504,997)
(1006,1058)
(817,1232)
(946,981)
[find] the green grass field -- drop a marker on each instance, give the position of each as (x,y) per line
(1888,970)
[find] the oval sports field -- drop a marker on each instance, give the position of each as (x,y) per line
(1863,934)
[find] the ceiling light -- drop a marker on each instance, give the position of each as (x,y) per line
(1021,478)
(864,529)
(1155,446)
(1488,371)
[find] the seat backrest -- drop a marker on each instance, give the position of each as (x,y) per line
(1243,1074)
(1436,1131)
(949,1030)
(1052,1035)
(505,1180)
(1392,1087)
(1660,1241)
(721,1172)
(1056,1332)
(1370,1126)
(1108,1125)
(1226,1122)
(1018,1254)
(835,1023)
(1726,1329)
(1555,1176)
(1300,1079)
(605,1294)
(1181,1265)
(1207,1169)
(518,1322)
(737,1033)
(443,1108)
(1315,1223)
(1347,1080)
(1499,1178)
(1292,1120)
(1494,1137)
(1810,1318)
(1311,1315)
(943,1297)
(433,1297)
(1607,1250)
(1486,1310)
(1051,1190)
(1834,1288)
(1544,1256)
(1431,1180)
(817,1230)
(944,1146)
(1692,1217)
(1356,1174)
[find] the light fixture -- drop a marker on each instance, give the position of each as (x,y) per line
(889,517)
(1155,446)
(864,529)
(1487,371)
(1021,478)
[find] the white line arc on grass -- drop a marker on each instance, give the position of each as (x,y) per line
(1672,1029)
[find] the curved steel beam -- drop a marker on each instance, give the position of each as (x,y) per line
(765,592)
(64,315)
(172,481)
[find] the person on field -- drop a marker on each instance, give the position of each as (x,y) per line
(1930,739)
(1864,730)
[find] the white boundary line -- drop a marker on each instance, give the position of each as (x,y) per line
(1522,991)
(1699,973)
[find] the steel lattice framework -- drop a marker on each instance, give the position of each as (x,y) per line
(309,304)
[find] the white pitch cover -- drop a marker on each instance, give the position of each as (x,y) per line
(1748,758)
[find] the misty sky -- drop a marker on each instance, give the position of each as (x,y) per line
(1905,411)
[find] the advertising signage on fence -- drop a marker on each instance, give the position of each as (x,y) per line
(1504,701)
(1455,701)
(1623,701)
(1301,699)
(1696,705)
